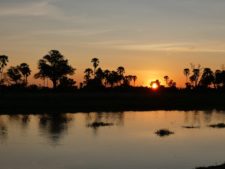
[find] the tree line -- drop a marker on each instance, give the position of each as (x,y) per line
(199,77)
(56,68)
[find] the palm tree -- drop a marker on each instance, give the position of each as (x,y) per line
(25,70)
(195,77)
(88,73)
(192,80)
(128,79)
(106,76)
(172,84)
(166,78)
(207,78)
(121,72)
(95,62)
(113,78)
(14,74)
(187,73)
(99,74)
(3,62)
(134,79)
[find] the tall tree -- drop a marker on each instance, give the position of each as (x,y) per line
(128,80)
(120,72)
(113,78)
(134,79)
(54,66)
(195,77)
(88,73)
(95,62)
(3,62)
(25,70)
(106,77)
(207,78)
(14,75)
(166,78)
(99,74)
(187,73)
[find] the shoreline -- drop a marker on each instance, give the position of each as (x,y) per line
(11,103)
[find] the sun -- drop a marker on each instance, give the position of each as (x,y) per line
(155,86)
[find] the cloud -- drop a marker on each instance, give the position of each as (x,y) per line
(173,47)
(43,8)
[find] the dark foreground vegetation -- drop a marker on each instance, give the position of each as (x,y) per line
(77,101)
(104,90)
(213,167)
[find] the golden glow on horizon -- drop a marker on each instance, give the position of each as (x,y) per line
(155,86)
(151,49)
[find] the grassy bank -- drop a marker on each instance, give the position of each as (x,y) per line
(108,101)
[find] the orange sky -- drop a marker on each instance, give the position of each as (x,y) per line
(149,38)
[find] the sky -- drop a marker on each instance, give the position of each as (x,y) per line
(150,38)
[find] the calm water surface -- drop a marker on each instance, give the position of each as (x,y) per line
(66,142)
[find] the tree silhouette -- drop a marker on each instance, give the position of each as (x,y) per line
(3,62)
(172,84)
(88,73)
(95,62)
(120,72)
(218,79)
(54,66)
(127,80)
(134,79)
(187,73)
(166,78)
(14,74)
(195,77)
(99,75)
(25,70)
(106,77)
(157,82)
(66,83)
(113,78)
(207,78)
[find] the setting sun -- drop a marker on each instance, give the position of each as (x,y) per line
(155,86)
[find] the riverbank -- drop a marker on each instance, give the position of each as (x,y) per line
(108,101)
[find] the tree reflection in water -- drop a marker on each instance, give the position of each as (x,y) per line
(54,126)
(115,118)
(3,130)
(22,120)
(202,118)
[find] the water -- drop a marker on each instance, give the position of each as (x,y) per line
(65,141)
